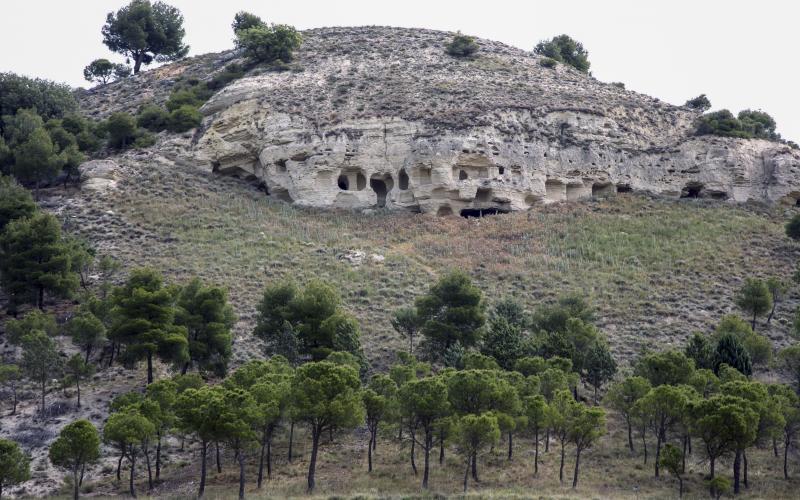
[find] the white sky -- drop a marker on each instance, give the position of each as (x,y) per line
(742,54)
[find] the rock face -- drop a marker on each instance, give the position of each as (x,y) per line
(383,117)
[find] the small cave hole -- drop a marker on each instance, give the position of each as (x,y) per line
(692,190)
(481,212)
(343,183)
(501,170)
(402,179)
(483,195)
(281,165)
(462,175)
(624,188)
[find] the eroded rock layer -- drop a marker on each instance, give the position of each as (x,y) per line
(383,117)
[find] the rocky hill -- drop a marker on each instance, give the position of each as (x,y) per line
(374,116)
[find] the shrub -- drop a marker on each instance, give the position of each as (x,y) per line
(143,139)
(793,228)
(121,129)
(548,62)
(152,117)
(700,102)
(231,72)
(747,125)
(51,100)
(619,85)
(461,46)
(245,20)
(184,118)
(183,97)
(564,49)
(265,44)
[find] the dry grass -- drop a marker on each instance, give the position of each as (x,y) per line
(656,270)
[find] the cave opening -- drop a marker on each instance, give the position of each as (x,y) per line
(343,183)
(692,190)
(444,210)
(380,189)
(462,175)
(402,179)
(481,212)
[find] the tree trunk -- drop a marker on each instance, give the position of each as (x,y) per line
(744,459)
(466,475)
(261,464)
(772,311)
(413,452)
(737,464)
(312,465)
(428,446)
(630,434)
(644,446)
(369,452)
(241,474)
(14,392)
(536,452)
(547,440)
(137,62)
(475,467)
(577,467)
(269,456)
(149,368)
(561,468)
(78,387)
(291,440)
(158,455)
(88,353)
(712,463)
(75,484)
(133,471)
(658,452)
(786,443)
(119,464)
(510,445)
(680,487)
(149,470)
(219,464)
(203,461)
(185,368)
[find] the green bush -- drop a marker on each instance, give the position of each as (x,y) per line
(152,118)
(265,44)
(143,139)
(121,129)
(51,100)
(548,62)
(183,97)
(747,125)
(566,50)
(793,228)
(184,118)
(700,102)
(461,46)
(231,72)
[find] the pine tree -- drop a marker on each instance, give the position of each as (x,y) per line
(208,319)
(144,321)
(77,446)
(35,260)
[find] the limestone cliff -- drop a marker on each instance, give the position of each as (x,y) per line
(373,117)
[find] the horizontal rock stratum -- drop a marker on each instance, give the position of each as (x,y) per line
(383,117)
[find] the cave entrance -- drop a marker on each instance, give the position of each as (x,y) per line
(402,179)
(444,210)
(692,190)
(481,212)
(379,187)
(462,175)
(344,183)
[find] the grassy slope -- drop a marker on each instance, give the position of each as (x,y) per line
(656,270)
